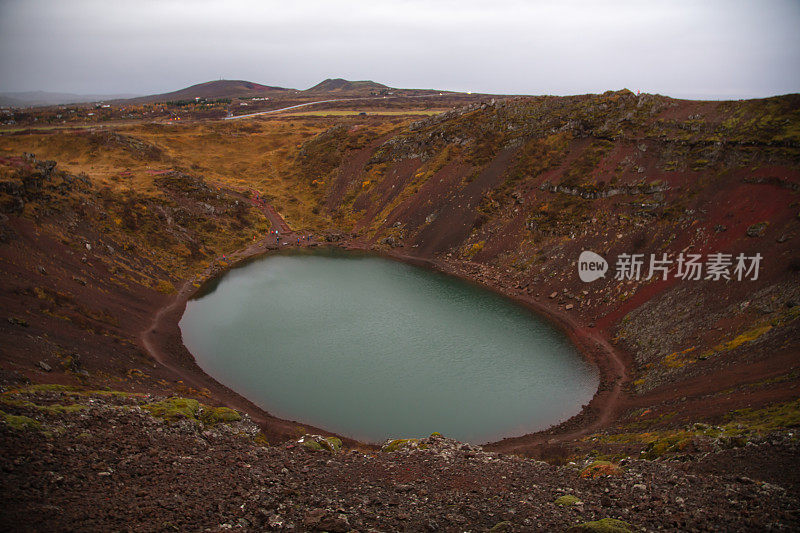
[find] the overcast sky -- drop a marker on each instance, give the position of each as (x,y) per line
(688,48)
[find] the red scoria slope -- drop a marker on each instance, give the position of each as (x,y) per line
(510,193)
(505,193)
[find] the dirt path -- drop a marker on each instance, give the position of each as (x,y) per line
(159,338)
(163,341)
(276,220)
(606,404)
(290,107)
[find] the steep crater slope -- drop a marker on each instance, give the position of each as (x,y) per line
(511,192)
(506,193)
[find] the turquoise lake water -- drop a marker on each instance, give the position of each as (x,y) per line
(375,349)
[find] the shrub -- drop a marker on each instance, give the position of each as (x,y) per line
(601,469)
(165,287)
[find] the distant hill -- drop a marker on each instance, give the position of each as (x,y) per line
(210,90)
(43,98)
(215,89)
(247,89)
(339,85)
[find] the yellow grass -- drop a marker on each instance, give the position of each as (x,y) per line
(258,154)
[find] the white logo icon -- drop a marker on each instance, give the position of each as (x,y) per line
(591,266)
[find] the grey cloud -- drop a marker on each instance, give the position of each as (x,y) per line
(682,48)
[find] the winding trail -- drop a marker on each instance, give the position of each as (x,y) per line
(159,338)
(276,220)
(604,406)
(163,341)
(592,343)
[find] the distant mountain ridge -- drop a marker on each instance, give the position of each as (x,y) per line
(44,98)
(342,85)
(208,90)
(215,89)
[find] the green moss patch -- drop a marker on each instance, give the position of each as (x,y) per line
(174,408)
(49,387)
(216,415)
(667,445)
(397,444)
(332,444)
(63,409)
(312,445)
(746,337)
(772,418)
(567,500)
(739,427)
(116,393)
(606,525)
(13,400)
(20,423)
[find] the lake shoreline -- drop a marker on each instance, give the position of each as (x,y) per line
(164,342)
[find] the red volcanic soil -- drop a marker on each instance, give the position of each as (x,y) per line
(527,237)
(505,194)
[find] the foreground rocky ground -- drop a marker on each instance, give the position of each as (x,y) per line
(109,461)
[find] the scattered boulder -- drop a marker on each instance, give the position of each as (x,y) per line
(394,445)
(390,241)
(275,522)
(318,443)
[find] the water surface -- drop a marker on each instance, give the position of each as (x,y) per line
(371,348)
